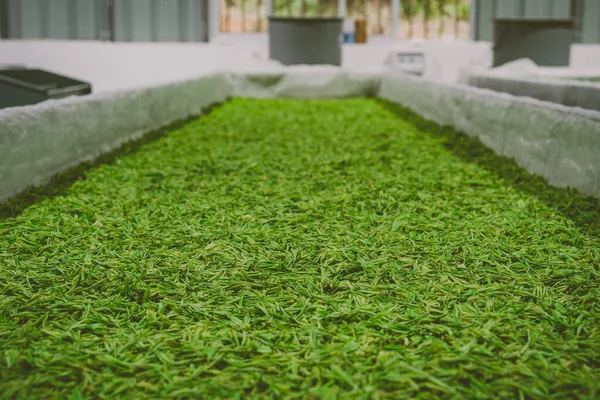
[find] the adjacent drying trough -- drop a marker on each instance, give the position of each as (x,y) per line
(300,233)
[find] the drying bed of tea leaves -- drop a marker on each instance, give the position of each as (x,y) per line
(302,249)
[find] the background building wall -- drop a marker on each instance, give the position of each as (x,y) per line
(119,20)
(159,20)
(56,19)
(588,24)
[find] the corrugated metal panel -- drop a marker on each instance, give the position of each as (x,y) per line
(561,8)
(538,9)
(487,10)
(485,14)
(591,21)
(159,20)
(132,20)
(508,8)
(58,19)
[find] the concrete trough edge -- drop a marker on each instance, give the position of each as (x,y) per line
(557,142)
(38,142)
(571,93)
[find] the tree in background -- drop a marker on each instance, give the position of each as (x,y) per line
(441,7)
(380,28)
(243,8)
(409,11)
(357,8)
(327,7)
(303,8)
(259,20)
(249,15)
(229,4)
(426,17)
(457,4)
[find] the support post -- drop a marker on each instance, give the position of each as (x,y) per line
(342,8)
(576,16)
(270,8)
(111,21)
(395,18)
(474,20)
(214,18)
(105,19)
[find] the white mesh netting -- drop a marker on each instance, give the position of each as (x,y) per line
(557,142)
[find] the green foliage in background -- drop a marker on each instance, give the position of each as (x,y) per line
(435,8)
(375,11)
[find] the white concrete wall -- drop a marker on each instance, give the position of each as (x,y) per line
(109,66)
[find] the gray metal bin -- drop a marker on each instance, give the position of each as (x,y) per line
(306,40)
(545,41)
(20,87)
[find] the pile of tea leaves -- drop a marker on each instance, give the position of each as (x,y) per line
(301,249)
